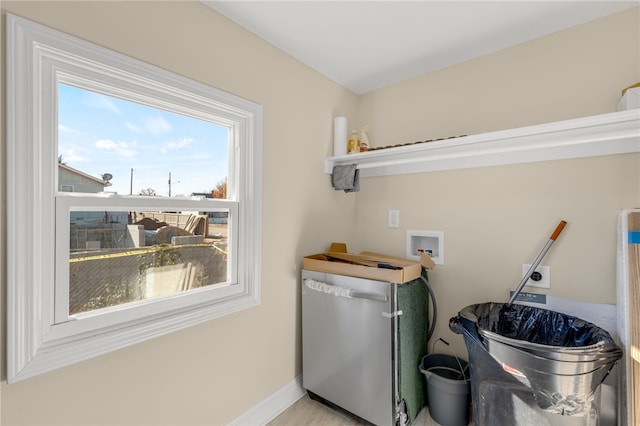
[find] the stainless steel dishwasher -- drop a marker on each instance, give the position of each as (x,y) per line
(350,346)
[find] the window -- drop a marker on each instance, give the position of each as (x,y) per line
(133,200)
(125,256)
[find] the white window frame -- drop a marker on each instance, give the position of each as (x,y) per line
(39,339)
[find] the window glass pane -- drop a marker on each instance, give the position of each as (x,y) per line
(106,144)
(109,144)
(119,257)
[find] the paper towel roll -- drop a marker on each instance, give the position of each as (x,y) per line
(340,136)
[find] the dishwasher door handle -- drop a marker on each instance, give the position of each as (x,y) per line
(371,296)
(336,290)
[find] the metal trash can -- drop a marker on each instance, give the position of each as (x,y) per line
(532,366)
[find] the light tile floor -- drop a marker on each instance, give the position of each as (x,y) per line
(307,412)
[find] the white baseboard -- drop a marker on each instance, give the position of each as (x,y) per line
(276,403)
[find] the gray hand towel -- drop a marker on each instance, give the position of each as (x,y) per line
(346,178)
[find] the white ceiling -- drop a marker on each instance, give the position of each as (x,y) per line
(366,45)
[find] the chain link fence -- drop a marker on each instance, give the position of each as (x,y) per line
(104,278)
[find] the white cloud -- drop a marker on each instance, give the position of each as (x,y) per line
(133,127)
(71,155)
(176,145)
(96,100)
(69,130)
(157,125)
(124,149)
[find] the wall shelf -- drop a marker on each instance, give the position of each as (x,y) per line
(606,134)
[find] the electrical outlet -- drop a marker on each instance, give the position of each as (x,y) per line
(394,219)
(542,274)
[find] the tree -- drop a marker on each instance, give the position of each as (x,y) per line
(220,190)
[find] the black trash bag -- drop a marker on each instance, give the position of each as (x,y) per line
(537,325)
(545,359)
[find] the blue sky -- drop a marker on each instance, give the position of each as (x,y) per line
(100,134)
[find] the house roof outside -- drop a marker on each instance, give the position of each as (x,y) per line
(83,174)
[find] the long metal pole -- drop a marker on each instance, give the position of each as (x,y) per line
(131,183)
(536,262)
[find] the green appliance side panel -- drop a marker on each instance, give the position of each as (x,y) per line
(413,325)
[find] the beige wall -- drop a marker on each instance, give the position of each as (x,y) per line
(494,218)
(497,218)
(211,373)
(573,73)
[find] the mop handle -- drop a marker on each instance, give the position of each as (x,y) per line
(558,230)
(536,262)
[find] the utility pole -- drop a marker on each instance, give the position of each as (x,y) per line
(131,183)
(169,184)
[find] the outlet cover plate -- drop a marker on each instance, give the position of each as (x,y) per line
(545,271)
(394,219)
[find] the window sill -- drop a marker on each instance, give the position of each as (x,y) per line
(606,134)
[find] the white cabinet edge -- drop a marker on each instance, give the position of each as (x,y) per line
(605,134)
